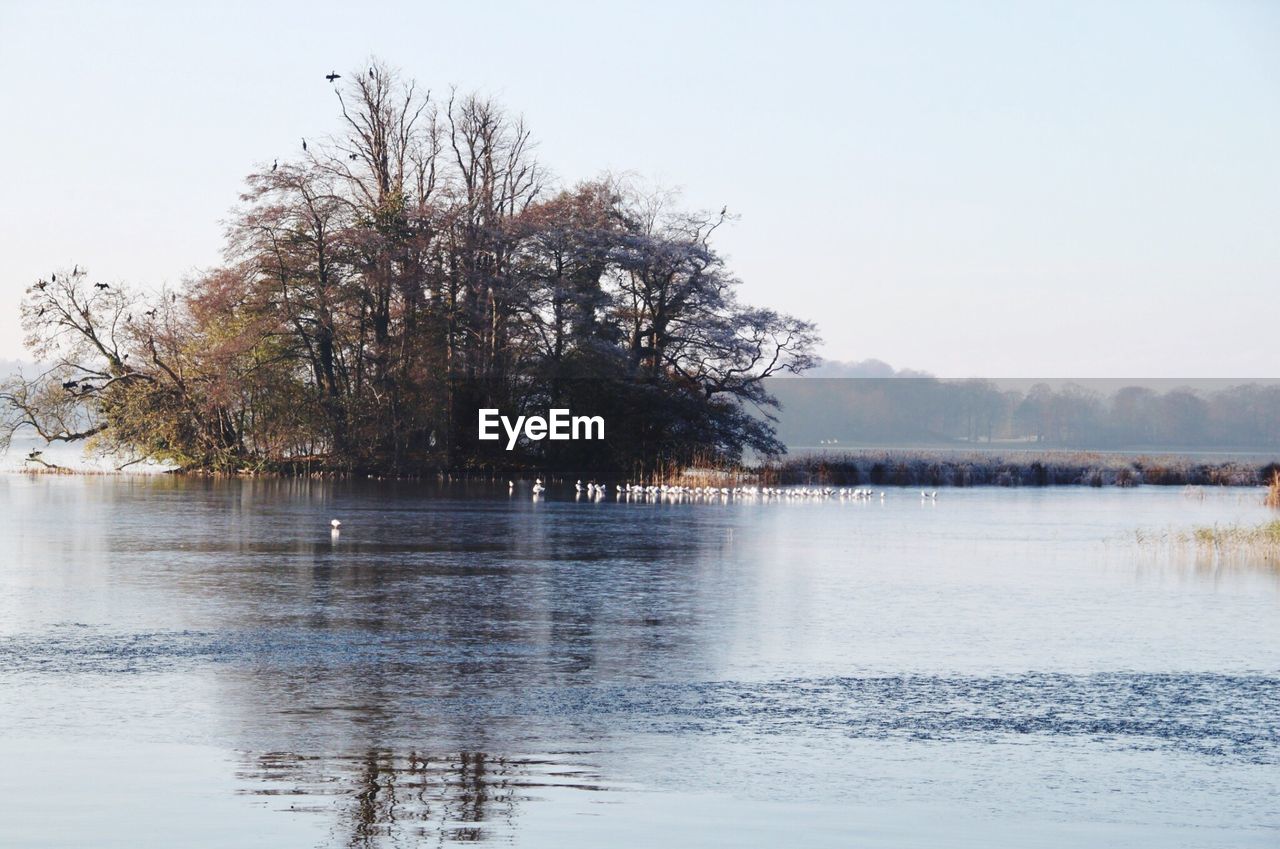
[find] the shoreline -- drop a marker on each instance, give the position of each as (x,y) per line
(849,467)
(959,468)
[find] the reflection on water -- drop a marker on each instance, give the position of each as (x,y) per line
(433,674)
(382,798)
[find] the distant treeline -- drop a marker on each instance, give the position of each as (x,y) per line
(1023,468)
(930,411)
(381,287)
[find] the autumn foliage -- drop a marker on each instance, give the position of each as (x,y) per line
(384,285)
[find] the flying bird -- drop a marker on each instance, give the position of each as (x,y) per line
(102,285)
(331,76)
(351,156)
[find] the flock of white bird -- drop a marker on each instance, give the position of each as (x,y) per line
(594,490)
(674,492)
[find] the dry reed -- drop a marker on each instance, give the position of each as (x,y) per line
(1219,544)
(977,468)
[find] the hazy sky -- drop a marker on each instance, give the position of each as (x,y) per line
(997,189)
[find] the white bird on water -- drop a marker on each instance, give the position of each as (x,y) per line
(335,524)
(538,487)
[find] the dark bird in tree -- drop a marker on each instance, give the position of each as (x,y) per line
(75,271)
(724,209)
(275,163)
(304,144)
(34,455)
(102,285)
(331,76)
(41,285)
(55,278)
(70,384)
(151,313)
(336,318)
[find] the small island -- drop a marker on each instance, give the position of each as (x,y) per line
(383,285)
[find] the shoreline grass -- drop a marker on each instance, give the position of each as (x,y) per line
(855,467)
(964,469)
(1221,544)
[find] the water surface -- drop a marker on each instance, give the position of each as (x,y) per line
(203,663)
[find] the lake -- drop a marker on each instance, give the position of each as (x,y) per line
(201,662)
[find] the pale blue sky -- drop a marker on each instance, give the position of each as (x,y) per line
(1000,189)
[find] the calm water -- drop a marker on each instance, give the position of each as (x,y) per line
(203,664)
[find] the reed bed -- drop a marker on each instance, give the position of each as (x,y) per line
(1220,544)
(962,469)
(1273,490)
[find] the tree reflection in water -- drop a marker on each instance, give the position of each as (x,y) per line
(380,798)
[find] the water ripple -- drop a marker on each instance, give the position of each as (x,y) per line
(1234,716)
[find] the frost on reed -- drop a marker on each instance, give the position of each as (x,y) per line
(924,468)
(1219,545)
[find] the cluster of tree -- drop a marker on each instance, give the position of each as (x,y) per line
(930,411)
(390,282)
